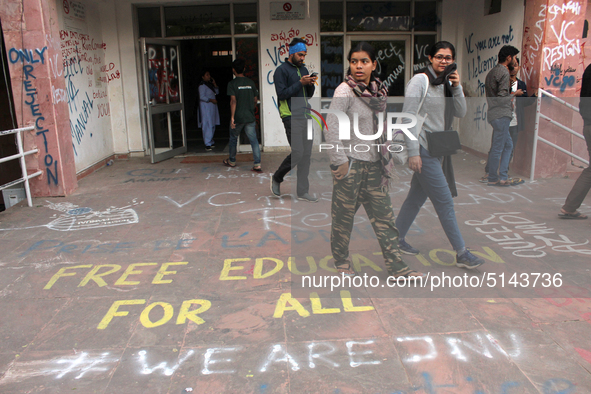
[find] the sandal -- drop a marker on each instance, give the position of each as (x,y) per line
(257,169)
(515,181)
(574,215)
(410,276)
(499,183)
(228,164)
(484,179)
(345,268)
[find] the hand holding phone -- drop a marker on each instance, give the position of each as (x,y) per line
(314,74)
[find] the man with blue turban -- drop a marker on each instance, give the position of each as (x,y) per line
(292,79)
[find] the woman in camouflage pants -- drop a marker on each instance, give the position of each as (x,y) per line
(358,167)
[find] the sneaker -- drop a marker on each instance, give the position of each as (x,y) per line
(212,146)
(406,248)
(208,148)
(275,187)
(307,197)
(484,179)
(468,260)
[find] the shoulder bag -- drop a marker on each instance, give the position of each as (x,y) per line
(401,156)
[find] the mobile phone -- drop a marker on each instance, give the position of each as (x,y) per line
(314,74)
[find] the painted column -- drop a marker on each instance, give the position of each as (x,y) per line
(31,35)
(553,58)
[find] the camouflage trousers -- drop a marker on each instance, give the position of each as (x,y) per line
(362,187)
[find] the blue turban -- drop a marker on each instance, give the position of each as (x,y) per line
(299,47)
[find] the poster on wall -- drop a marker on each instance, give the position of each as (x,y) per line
(74,15)
(288,10)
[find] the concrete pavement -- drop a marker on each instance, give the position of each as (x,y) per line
(187,277)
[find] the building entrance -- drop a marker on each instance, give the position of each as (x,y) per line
(200,56)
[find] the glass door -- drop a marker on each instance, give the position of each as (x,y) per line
(164,102)
(392,55)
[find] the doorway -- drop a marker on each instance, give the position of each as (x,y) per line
(213,55)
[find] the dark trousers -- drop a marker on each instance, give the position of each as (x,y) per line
(301,152)
(583,184)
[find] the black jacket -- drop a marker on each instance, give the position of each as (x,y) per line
(287,85)
(521,102)
(585,103)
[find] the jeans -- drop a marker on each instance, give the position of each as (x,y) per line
(583,184)
(250,130)
(296,130)
(500,152)
(514,133)
(430,183)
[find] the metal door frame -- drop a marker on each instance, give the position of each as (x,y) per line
(153,109)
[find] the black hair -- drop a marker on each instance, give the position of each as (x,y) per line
(442,45)
(297,40)
(366,47)
(507,51)
(238,65)
(203,72)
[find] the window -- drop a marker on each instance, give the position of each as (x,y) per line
(426,16)
(492,7)
(421,52)
(332,60)
(197,20)
(149,22)
(378,16)
(245,19)
(331,16)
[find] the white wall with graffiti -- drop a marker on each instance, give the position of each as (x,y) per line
(275,36)
(478,39)
(88,42)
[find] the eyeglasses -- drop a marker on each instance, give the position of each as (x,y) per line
(441,58)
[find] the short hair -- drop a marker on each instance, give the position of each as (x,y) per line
(442,45)
(238,65)
(507,51)
(297,40)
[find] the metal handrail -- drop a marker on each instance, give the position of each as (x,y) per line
(20,156)
(558,124)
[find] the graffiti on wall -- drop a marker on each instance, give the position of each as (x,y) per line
(280,51)
(482,53)
(87,76)
(163,73)
(28,58)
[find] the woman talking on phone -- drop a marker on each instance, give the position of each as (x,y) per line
(361,178)
(437,96)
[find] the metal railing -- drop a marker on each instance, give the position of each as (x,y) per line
(20,156)
(537,138)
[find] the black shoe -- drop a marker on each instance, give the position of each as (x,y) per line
(209,148)
(468,260)
(406,248)
(275,187)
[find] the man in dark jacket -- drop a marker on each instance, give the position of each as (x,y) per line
(583,184)
(291,80)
